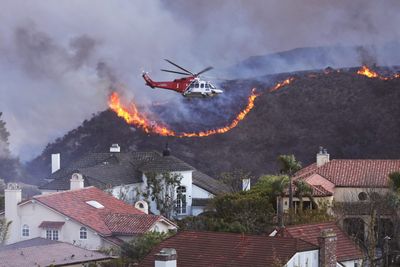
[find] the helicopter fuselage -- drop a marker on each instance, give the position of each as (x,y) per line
(188,86)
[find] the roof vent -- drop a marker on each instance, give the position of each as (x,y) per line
(115,148)
(95,204)
(166,152)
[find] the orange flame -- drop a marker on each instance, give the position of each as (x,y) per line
(281,84)
(132,116)
(368,72)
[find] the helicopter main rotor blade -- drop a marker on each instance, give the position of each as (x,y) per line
(205,70)
(177,72)
(179,67)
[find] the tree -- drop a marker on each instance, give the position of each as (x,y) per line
(4,229)
(302,190)
(242,212)
(289,166)
(161,188)
(135,250)
(234,179)
(9,166)
(274,187)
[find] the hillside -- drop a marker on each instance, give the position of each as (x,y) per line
(351,115)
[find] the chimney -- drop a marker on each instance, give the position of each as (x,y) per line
(115,148)
(245,184)
(322,156)
(166,152)
(77,181)
(327,248)
(12,196)
(143,206)
(55,162)
(166,258)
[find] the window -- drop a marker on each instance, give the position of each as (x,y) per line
(206,85)
(83,233)
(52,234)
(181,200)
(362,196)
(202,85)
(25,230)
(196,85)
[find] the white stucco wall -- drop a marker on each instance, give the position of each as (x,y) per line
(32,214)
(350,194)
(199,192)
(185,181)
(351,263)
(304,259)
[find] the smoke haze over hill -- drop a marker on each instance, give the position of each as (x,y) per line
(59,58)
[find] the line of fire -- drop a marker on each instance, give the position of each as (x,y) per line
(133,116)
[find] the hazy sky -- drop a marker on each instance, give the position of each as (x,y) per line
(58,58)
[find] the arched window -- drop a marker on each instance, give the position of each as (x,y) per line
(181,200)
(25,230)
(83,233)
(362,196)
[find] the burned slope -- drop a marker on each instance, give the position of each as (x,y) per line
(353,116)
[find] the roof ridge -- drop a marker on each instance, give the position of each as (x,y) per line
(63,192)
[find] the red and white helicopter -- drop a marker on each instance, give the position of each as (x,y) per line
(190,86)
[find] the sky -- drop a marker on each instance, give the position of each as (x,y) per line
(59,58)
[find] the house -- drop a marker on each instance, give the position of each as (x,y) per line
(352,184)
(86,217)
(45,252)
(191,249)
(348,254)
(125,175)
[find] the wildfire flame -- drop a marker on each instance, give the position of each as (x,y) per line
(132,116)
(364,70)
(367,72)
(281,84)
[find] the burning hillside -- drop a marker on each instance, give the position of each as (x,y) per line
(133,116)
(352,115)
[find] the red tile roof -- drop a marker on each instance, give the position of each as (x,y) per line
(103,220)
(354,172)
(346,249)
(228,249)
(127,224)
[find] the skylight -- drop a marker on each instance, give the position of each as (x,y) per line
(95,204)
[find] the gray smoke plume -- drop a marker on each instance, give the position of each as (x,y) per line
(58,59)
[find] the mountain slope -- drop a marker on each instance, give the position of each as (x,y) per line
(351,115)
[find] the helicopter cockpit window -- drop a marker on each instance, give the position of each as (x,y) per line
(212,86)
(206,85)
(202,85)
(196,85)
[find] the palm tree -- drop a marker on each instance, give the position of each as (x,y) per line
(289,166)
(303,189)
(278,186)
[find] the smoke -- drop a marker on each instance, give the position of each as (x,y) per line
(58,59)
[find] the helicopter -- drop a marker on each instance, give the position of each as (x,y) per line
(190,86)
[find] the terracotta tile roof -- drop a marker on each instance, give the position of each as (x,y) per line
(354,172)
(128,224)
(43,252)
(228,249)
(346,249)
(51,225)
(317,191)
(73,205)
